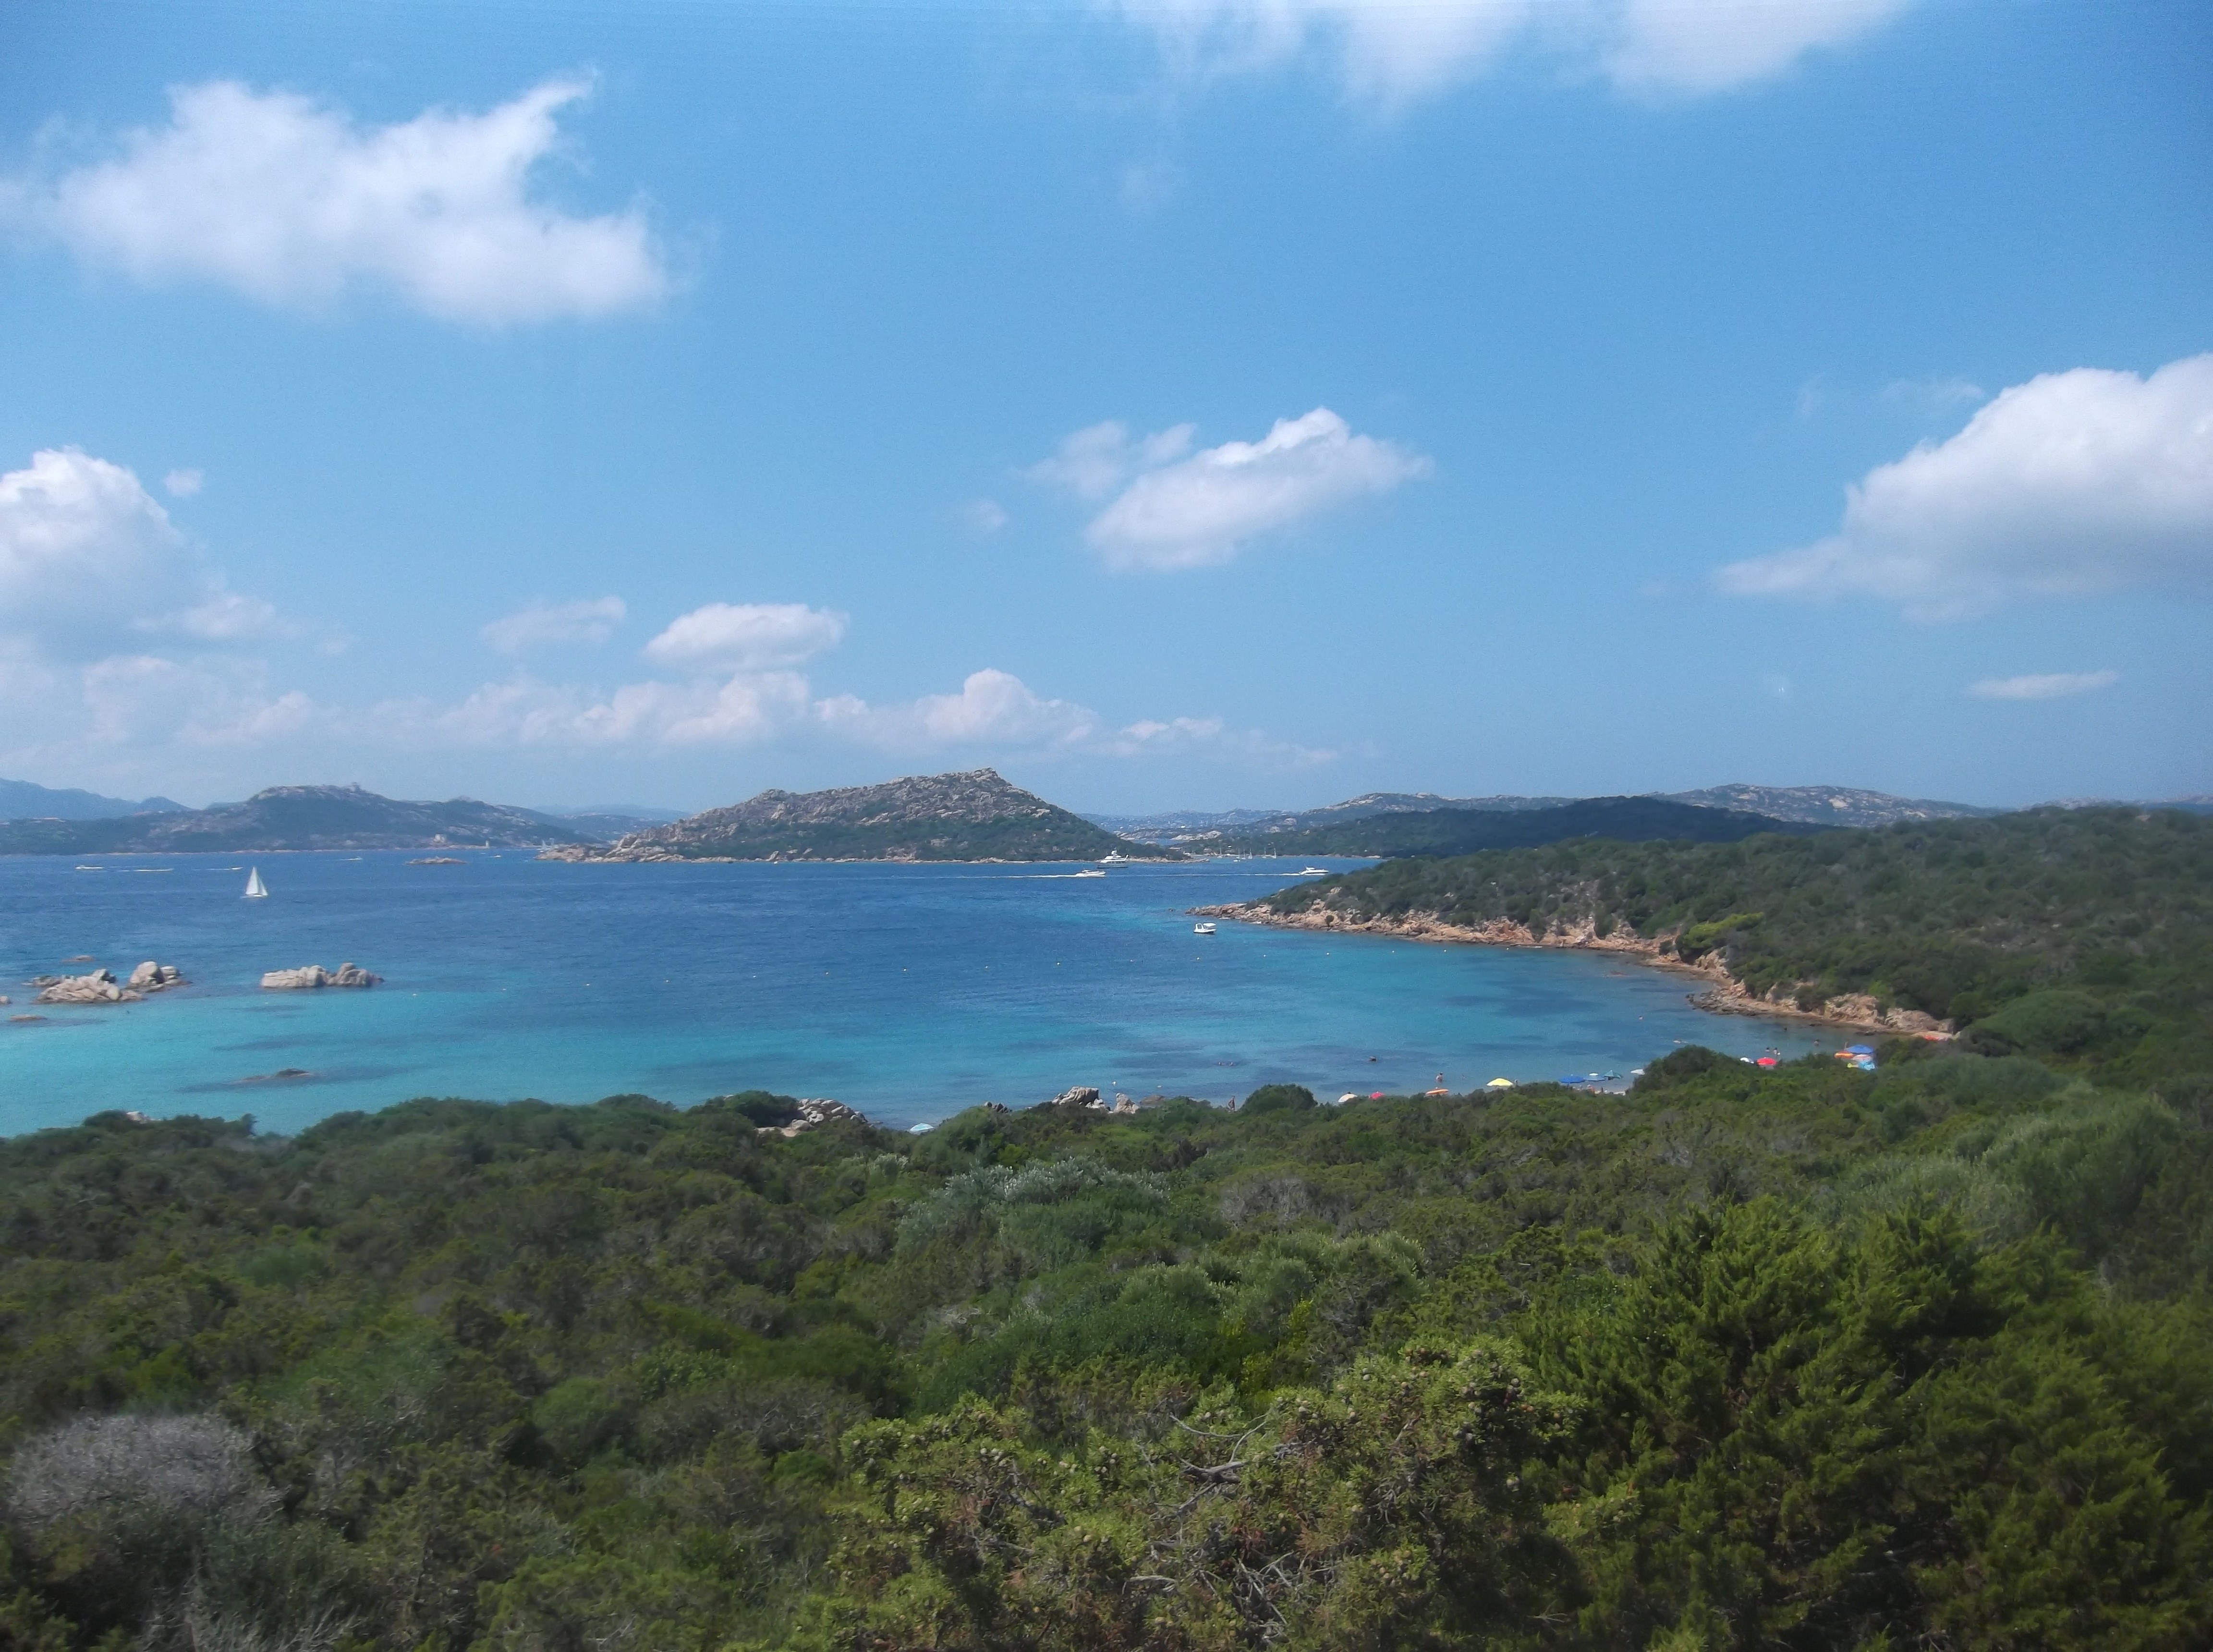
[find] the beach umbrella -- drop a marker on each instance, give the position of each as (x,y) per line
(1859,1049)
(1500,1084)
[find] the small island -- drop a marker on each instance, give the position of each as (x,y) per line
(972,816)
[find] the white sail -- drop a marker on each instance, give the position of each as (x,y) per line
(255,889)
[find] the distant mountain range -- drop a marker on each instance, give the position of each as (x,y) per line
(21,801)
(1824,805)
(972,816)
(294,818)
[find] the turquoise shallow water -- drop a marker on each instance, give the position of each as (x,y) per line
(907,992)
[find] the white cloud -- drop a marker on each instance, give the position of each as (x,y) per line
(1098,459)
(993,708)
(1390,53)
(747,636)
(90,563)
(291,204)
(183,483)
(2072,484)
(2051,686)
(146,699)
(743,710)
(541,623)
(1199,510)
(1692,46)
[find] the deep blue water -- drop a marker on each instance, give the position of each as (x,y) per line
(907,992)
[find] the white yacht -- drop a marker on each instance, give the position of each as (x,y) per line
(1113,857)
(1314,871)
(1090,872)
(255,889)
(1201,929)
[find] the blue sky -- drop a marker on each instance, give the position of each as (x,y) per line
(1218,402)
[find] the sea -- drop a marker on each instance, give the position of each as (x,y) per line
(907,992)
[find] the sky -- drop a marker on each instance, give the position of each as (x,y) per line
(1201,403)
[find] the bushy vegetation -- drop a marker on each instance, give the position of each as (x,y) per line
(2080,935)
(1803,1357)
(1743,1358)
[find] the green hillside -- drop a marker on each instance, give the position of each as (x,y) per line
(2083,935)
(1464,831)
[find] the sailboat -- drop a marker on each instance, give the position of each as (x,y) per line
(255,889)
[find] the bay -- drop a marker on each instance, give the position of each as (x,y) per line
(908,991)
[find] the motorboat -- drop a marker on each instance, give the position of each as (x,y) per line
(1313,872)
(1113,857)
(1201,929)
(1090,872)
(255,889)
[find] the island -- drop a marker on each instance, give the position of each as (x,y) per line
(972,816)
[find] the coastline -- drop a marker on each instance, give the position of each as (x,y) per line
(1723,994)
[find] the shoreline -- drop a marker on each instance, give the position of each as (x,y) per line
(1724,995)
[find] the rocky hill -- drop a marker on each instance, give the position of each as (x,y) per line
(1840,806)
(974,816)
(294,818)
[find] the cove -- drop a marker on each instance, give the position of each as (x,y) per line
(908,991)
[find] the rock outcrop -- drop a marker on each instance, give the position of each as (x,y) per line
(150,976)
(100,986)
(1078,1095)
(813,1111)
(314,975)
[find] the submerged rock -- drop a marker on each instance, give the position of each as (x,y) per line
(314,975)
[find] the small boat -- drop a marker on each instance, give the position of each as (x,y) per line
(1201,929)
(1090,872)
(255,889)
(1314,871)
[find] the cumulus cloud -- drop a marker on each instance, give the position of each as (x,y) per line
(1190,512)
(291,203)
(2054,685)
(91,562)
(541,623)
(2070,485)
(747,636)
(1390,54)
